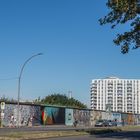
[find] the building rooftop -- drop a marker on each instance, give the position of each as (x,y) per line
(111,77)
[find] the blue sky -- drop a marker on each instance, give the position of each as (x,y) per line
(76,48)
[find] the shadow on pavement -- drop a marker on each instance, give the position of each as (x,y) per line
(127,135)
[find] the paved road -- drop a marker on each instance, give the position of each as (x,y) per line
(133,134)
(40,128)
(130,135)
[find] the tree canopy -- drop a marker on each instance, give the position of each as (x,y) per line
(122,12)
(6,99)
(61,100)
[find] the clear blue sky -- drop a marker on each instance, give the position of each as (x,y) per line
(76,48)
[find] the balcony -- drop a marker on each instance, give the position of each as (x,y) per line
(95,98)
(110,98)
(94,108)
(119,108)
(111,103)
(94,94)
(129,105)
(129,85)
(129,88)
(110,84)
(119,103)
(119,97)
(110,95)
(129,91)
(94,84)
(129,102)
(129,98)
(129,95)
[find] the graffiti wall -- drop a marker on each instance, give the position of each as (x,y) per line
(94,116)
(81,116)
(102,115)
(124,119)
(53,115)
(130,119)
(28,115)
(117,118)
(106,115)
(137,119)
(99,115)
(69,118)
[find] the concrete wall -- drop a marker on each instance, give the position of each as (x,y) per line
(69,118)
(53,115)
(120,118)
(30,114)
(82,116)
(27,114)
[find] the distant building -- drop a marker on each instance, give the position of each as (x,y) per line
(114,94)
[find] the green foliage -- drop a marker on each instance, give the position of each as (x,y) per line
(6,99)
(122,12)
(61,100)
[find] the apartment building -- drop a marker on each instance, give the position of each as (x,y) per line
(115,94)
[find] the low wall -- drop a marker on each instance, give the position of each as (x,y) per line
(28,115)
(53,115)
(31,115)
(120,118)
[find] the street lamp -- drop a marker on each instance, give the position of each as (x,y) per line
(19,81)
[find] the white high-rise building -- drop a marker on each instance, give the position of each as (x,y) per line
(116,94)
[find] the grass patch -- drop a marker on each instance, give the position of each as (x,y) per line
(39,135)
(130,127)
(103,130)
(35,135)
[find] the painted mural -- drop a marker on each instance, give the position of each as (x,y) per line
(117,118)
(69,118)
(130,119)
(98,115)
(94,116)
(106,116)
(102,115)
(124,119)
(53,115)
(31,115)
(137,119)
(82,117)
(28,115)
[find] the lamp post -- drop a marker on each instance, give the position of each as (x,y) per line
(19,82)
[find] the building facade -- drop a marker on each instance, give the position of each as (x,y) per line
(114,94)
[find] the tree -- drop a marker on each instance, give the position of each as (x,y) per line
(6,99)
(123,12)
(61,100)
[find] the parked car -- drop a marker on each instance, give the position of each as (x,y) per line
(111,123)
(100,123)
(105,123)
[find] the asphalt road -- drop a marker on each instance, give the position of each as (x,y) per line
(133,134)
(40,128)
(128,135)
